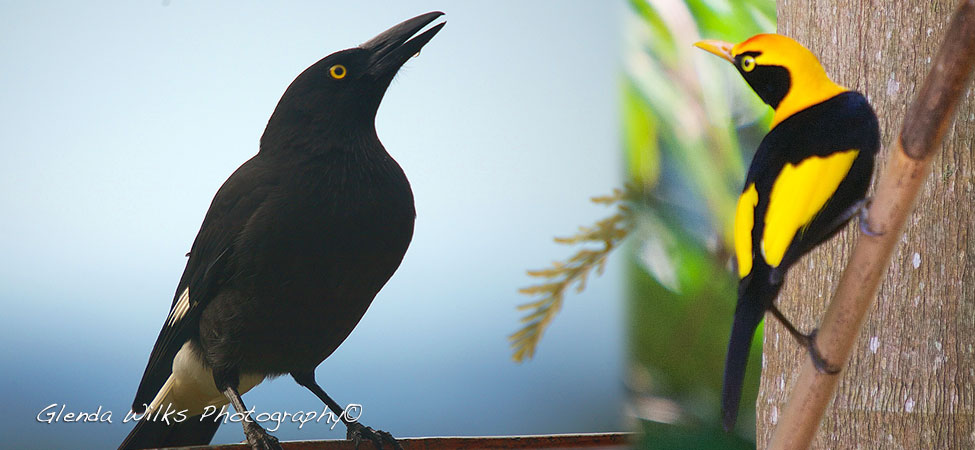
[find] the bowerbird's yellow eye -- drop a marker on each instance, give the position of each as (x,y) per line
(748,63)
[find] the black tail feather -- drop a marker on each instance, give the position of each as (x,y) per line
(755,296)
(158,434)
(747,318)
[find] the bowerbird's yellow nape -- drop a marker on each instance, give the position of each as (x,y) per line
(782,72)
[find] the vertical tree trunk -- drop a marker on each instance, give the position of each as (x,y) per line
(911,382)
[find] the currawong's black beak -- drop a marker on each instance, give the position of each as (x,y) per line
(393,47)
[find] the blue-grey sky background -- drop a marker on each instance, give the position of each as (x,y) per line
(119,121)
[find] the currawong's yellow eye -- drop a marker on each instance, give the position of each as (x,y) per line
(337,71)
(748,63)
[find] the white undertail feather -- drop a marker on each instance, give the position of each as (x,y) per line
(191,386)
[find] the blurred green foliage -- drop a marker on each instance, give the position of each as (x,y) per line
(657,436)
(596,244)
(689,124)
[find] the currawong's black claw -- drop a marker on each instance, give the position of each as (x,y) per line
(258,438)
(357,432)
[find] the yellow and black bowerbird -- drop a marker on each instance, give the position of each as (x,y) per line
(808,178)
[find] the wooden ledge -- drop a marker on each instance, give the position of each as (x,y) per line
(585,440)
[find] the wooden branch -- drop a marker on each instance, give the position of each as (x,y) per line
(921,134)
(583,440)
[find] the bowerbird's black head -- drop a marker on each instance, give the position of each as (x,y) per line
(340,94)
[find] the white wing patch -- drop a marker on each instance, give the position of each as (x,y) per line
(180,309)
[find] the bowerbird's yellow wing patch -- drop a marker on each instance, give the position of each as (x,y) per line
(744,222)
(800,191)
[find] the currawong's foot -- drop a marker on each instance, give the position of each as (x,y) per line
(258,438)
(358,432)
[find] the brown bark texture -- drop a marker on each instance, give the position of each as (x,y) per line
(911,380)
